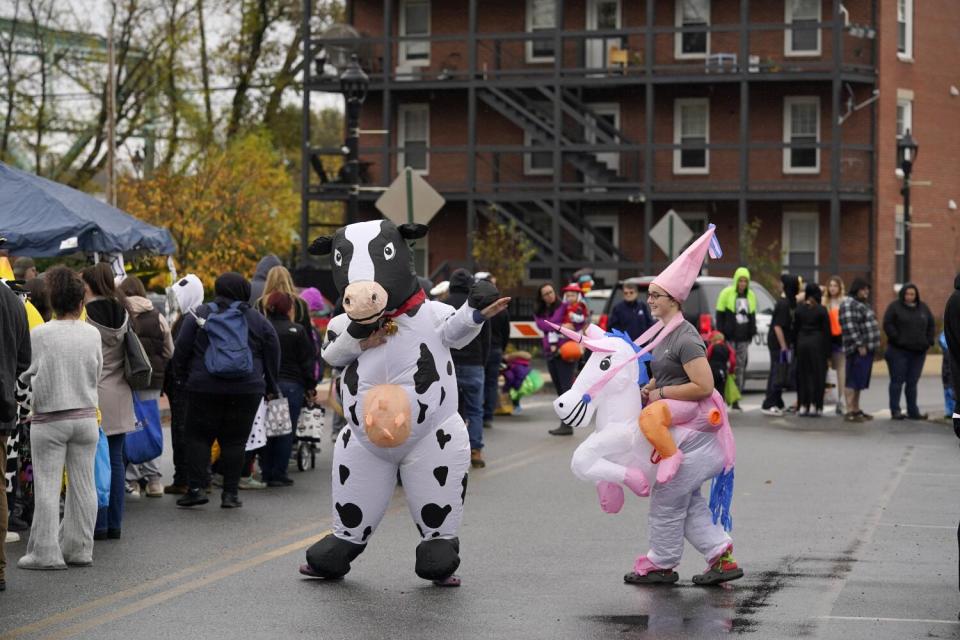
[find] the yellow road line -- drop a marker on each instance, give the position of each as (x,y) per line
(514,461)
(186,587)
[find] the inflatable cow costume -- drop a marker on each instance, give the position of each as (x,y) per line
(666,449)
(399,398)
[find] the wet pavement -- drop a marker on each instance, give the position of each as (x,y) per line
(844,530)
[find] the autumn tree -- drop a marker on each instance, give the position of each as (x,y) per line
(504,251)
(764,262)
(235,207)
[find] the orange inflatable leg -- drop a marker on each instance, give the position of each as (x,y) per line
(655,421)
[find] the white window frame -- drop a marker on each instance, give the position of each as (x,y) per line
(405,44)
(531,58)
(899,238)
(790,215)
(402,111)
(678,36)
(788,104)
(678,105)
(528,168)
(907,54)
(788,49)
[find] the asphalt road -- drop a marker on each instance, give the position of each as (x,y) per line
(844,531)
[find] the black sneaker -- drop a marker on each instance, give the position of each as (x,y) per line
(562,430)
(897,416)
(230,501)
(17,524)
(193,498)
(736,406)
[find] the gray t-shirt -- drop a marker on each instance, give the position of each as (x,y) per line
(677,349)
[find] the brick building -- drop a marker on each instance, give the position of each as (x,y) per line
(584,121)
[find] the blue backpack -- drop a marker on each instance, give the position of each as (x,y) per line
(229,354)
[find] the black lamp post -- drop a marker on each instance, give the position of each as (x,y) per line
(353,84)
(907,149)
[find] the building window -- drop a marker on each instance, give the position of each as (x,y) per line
(414,137)
(904,122)
(415,21)
(692,13)
(905,29)
(537,163)
(691,130)
(541,17)
(801,130)
(801,244)
(898,237)
(803,37)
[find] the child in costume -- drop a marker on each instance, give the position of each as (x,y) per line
(686,435)
(399,397)
(576,314)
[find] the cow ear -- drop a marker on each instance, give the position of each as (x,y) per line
(413,230)
(321,246)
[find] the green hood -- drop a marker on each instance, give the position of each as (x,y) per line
(728,297)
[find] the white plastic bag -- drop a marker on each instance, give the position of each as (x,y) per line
(258,433)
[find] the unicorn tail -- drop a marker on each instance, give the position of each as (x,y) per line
(721,497)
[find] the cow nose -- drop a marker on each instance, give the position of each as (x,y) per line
(346,301)
(560,404)
(374,297)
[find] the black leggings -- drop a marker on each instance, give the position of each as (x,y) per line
(562,373)
(226,418)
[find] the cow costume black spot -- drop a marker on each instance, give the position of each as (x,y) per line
(373,270)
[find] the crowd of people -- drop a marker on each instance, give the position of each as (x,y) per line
(816,337)
(68,389)
(66,385)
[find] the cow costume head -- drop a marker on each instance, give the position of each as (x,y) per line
(372,266)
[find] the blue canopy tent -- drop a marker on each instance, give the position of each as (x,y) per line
(42,218)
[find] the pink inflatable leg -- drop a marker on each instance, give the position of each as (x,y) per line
(643,566)
(611,496)
(637,482)
(668,467)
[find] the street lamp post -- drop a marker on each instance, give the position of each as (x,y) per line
(353,84)
(907,149)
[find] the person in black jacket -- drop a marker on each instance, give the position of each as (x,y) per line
(15,346)
(779,343)
(631,315)
(219,408)
(469,363)
(297,382)
(499,337)
(811,330)
(951,331)
(910,330)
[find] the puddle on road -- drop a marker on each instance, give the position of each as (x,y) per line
(685,611)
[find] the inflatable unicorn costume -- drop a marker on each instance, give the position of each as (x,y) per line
(678,446)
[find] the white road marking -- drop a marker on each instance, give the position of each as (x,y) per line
(912,620)
(917,526)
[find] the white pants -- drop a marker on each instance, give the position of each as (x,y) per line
(74,443)
(678,510)
(434,480)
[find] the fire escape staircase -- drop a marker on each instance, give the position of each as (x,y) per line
(580,244)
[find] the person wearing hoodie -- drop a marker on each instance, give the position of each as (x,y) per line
(259,281)
(154,333)
(187,294)
(779,342)
(951,330)
(298,382)
(861,337)
(737,320)
(221,408)
(469,364)
(106,311)
(910,330)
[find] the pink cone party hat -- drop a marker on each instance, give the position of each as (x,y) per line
(678,278)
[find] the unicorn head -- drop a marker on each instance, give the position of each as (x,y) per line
(609,378)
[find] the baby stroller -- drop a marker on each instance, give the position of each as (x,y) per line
(311,427)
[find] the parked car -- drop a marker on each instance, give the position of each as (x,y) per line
(701,307)
(597,303)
